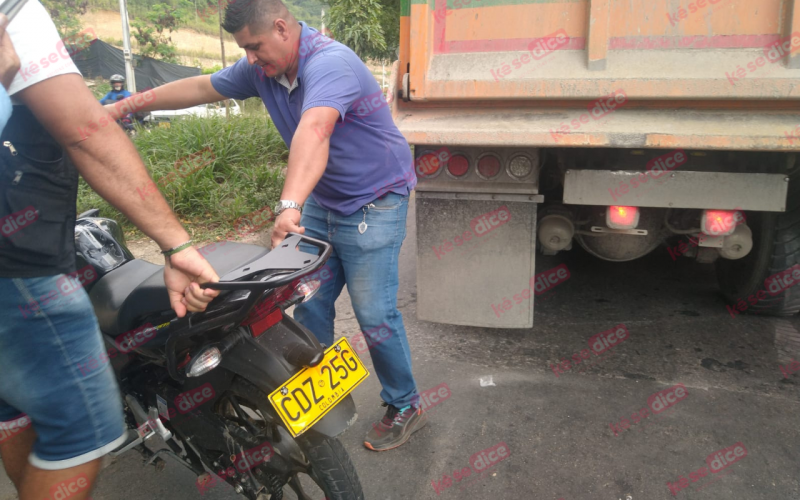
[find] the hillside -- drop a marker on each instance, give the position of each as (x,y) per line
(193,47)
(198,41)
(201,15)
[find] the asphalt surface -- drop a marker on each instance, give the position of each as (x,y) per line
(556,429)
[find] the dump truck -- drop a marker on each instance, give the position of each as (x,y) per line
(618,126)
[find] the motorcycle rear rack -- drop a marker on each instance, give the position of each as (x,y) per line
(286,258)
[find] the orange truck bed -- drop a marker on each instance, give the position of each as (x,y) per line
(714,74)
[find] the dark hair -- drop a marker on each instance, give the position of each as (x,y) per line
(256,14)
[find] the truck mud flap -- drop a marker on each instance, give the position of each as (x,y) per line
(475,257)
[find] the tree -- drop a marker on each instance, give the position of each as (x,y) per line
(153,42)
(370,27)
(65,15)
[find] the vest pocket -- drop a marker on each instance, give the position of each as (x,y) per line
(35,223)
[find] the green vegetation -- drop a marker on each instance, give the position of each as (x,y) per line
(212,69)
(149,30)
(245,173)
(203,16)
(65,15)
(100,88)
(370,27)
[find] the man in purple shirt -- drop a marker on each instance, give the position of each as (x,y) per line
(350,173)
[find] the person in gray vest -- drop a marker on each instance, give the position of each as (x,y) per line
(55,422)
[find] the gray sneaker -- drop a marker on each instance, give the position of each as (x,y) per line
(395,428)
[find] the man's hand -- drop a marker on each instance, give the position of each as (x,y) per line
(287,222)
(188,269)
(9,61)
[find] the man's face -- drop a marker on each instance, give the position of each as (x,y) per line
(272,49)
(117,86)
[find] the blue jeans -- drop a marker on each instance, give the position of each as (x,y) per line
(50,377)
(367,263)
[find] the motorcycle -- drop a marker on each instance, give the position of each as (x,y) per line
(128,121)
(241,392)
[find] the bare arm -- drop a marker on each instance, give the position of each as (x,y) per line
(102,153)
(109,162)
(308,158)
(9,61)
(175,95)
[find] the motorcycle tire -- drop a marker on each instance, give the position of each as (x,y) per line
(330,465)
(776,248)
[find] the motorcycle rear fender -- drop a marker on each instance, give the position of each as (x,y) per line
(260,361)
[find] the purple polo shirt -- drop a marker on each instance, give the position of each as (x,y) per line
(368,155)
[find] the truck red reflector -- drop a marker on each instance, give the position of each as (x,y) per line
(428,164)
(619,217)
(720,222)
(458,165)
(488,166)
(263,323)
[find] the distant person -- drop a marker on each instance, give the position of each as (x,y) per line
(9,65)
(56,424)
(117,91)
(350,173)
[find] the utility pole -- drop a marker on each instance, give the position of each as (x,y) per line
(130,77)
(222,49)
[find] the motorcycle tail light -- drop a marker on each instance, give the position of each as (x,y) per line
(720,222)
(618,217)
(204,363)
(306,290)
(262,323)
(268,313)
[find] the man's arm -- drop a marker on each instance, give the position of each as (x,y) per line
(175,95)
(9,60)
(109,162)
(308,158)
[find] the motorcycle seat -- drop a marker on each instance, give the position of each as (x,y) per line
(135,290)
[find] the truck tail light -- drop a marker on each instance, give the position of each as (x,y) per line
(458,165)
(619,217)
(428,165)
(488,166)
(720,222)
(520,167)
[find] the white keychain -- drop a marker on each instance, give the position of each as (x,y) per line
(362,228)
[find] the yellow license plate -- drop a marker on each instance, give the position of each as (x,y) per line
(314,391)
(165,124)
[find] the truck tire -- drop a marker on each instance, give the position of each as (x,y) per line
(776,248)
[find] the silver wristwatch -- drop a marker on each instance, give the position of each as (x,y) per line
(284,204)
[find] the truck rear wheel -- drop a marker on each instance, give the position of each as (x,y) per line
(776,248)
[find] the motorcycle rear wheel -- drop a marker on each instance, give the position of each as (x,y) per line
(328,464)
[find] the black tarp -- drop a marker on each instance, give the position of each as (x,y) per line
(102,59)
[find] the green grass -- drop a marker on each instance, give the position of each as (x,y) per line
(244,176)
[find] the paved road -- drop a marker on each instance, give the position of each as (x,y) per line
(557,429)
